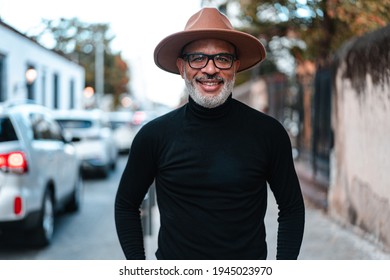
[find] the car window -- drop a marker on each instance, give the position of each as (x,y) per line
(56,129)
(71,124)
(44,128)
(117,124)
(7,131)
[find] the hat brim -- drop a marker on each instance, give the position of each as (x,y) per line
(250,51)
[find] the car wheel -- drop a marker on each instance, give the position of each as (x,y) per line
(43,233)
(77,195)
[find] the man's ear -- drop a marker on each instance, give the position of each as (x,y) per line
(180,63)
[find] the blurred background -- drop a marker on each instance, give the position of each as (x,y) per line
(326,79)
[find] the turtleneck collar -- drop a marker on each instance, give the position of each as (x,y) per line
(209,113)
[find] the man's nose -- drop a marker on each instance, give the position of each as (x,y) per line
(210,68)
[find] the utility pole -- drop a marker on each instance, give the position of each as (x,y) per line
(99,69)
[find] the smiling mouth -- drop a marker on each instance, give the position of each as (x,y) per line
(210,81)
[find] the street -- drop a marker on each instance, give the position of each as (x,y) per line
(87,235)
(91,235)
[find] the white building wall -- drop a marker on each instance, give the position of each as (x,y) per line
(21,52)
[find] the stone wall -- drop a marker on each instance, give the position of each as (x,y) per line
(359,191)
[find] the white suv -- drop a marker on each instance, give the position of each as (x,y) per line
(39,172)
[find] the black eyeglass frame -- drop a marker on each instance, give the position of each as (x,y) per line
(209,56)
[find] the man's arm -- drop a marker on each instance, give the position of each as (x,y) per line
(136,179)
(285,185)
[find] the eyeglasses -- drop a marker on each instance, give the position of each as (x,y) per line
(222,61)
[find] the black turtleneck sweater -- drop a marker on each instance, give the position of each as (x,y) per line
(211,168)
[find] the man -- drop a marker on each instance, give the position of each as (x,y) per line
(212,158)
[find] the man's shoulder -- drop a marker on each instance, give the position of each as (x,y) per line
(167,118)
(253,113)
(162,123)
(258,120)
(159,128)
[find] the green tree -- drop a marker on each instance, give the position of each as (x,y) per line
(321,25)
(78,41)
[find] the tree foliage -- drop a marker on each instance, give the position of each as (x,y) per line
(78,41)
(323,25)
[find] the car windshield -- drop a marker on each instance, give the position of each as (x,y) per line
(7,132)
(71,124)
(117,124)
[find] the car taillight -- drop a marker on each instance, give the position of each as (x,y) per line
(15,162)
(139,117)
(18,205)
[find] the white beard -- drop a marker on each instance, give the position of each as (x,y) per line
(209,101)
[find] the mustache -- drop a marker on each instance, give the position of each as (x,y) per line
(208,77)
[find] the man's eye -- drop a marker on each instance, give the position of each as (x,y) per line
(223,59)
(197,58)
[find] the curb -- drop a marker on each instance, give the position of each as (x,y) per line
(314,190)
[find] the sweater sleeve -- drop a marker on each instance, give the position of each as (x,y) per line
(285,186)
(136,179)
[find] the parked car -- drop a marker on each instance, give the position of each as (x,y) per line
(90,132)
(123,132)
(39,172)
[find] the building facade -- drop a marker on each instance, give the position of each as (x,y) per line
(30,71)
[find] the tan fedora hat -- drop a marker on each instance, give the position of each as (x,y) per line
(209,23)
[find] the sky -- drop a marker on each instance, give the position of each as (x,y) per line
(139,25)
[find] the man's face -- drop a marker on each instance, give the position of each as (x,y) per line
(209,86)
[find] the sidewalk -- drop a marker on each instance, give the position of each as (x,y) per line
(323,239)
(337,242)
